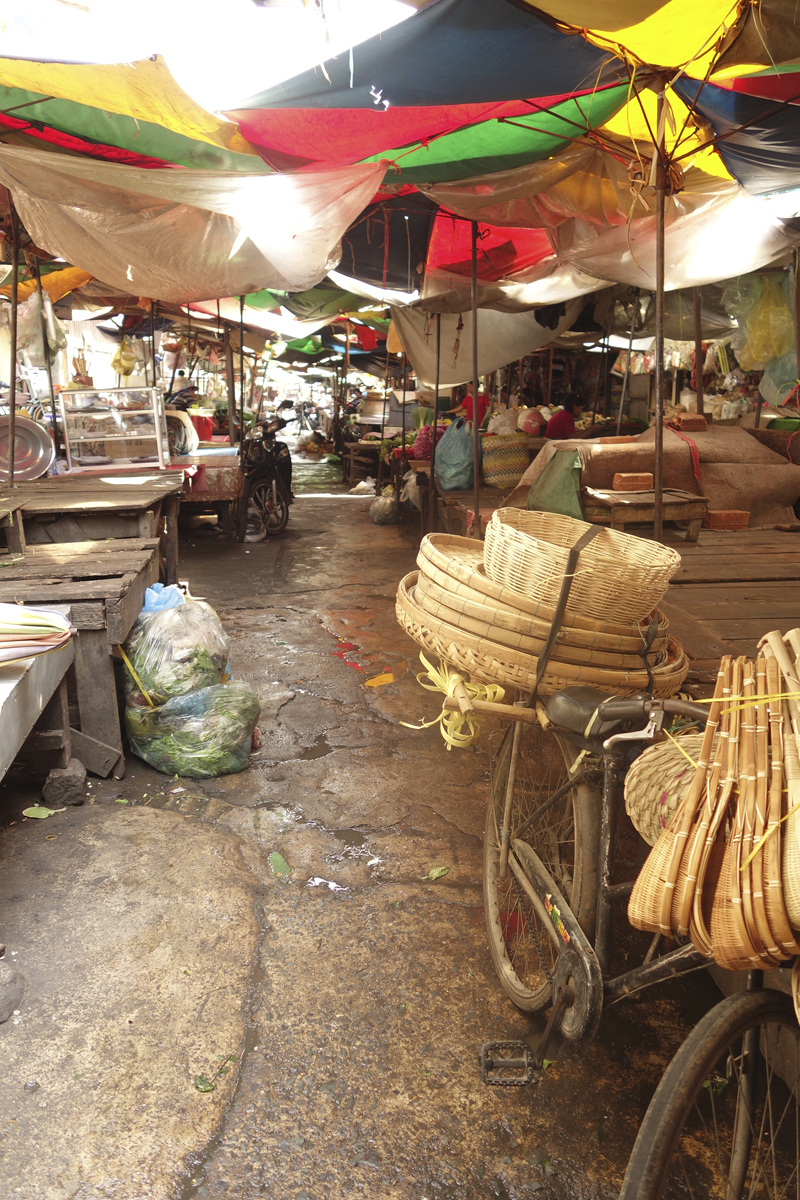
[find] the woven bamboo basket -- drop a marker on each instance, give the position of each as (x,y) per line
(657,782)
(461,559)
(773,870)
(616,573)
(507,630)
(490,662)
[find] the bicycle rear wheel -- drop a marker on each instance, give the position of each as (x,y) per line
(522,940)
(724,1123)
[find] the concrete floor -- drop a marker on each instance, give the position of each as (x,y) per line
(354,993)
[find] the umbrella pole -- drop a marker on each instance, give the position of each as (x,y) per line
(403,456)
(476,437)
(153,315)
(432,487)
(698,349)
(658,473)
(33,264)
(12,392)
(241,377)
(627,376)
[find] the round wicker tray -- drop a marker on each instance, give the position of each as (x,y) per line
(616,573)
(492,663)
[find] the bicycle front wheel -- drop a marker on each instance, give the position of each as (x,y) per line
(724,1123)
(565,835)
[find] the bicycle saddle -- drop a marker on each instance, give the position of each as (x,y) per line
(574,707)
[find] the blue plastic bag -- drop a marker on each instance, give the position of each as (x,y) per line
(158,597)
(454,457)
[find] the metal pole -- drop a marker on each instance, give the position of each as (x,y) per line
(12,393)
(796,283)
(476,437)
(432,488)
(658,472)
(153,315)
(600,366)
(698,349)
(33,264)
(627,375)
(231,385)
(403,456)
(241,377)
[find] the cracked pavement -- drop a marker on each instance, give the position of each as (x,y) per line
(371,989)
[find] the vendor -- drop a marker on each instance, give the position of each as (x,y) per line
(183,398)
(465,407)
(562,424)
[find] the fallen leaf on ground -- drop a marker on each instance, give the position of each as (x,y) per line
(40,812)
(279,864)
(437,873)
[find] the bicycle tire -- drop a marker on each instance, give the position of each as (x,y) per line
(524,947)
(669,1158)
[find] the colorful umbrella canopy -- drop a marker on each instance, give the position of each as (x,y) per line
(132,113)
(462,87)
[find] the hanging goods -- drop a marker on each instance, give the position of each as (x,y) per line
(617,574)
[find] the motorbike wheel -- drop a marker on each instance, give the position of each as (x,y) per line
(273,511)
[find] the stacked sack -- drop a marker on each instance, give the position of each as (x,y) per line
(487,608)
(183,714)
(725,869)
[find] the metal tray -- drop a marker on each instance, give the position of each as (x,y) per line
(33,449)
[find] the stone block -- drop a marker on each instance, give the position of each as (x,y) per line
(65,785)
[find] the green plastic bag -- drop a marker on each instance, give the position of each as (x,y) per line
(558,488)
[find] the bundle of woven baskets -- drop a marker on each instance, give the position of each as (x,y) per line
(726,868)
(494,633)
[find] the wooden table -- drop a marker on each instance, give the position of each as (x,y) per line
(30,689)
(104,584)
(619,509)
(357,463)
(76,508)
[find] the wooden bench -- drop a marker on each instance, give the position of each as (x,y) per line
(104,585)
(619,509)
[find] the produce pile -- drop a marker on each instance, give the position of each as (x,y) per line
(183,714)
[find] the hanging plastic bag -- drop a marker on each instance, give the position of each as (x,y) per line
(174,651)
(770,329)
(454,457)
(202,735)
(29,330)
(410,493)
(124,361)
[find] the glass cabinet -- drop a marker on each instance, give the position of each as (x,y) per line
(112,425)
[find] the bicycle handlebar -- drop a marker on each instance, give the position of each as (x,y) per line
(625,708)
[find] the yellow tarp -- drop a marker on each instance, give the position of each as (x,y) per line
(637,120)
(144,90)
(56,284)
(669,33)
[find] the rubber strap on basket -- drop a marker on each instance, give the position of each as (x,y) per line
(649,638)
(561,608)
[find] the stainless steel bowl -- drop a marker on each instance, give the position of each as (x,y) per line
(33,449)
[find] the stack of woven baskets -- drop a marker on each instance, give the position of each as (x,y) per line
(487,609)
(726,868)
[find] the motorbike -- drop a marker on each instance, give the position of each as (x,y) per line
(267,466)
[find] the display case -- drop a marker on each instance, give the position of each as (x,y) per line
(113,425)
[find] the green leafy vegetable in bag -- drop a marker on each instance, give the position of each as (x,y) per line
(201,735)
(174,651)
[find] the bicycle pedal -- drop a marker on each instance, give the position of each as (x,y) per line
(506,1064)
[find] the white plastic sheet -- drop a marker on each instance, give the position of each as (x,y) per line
(187,235)
(502,337)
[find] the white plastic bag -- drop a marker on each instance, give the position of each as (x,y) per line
(410,493)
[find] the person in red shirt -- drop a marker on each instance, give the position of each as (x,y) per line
(483,404)
(562,424)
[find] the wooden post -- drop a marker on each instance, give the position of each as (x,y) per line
(476,437)
(600,367)
(241,378)
(698,349)
(432,489)
(12,392)
(661,169)
(230,382)
(403,456)
(550,378)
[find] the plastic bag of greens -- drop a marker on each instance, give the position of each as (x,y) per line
(174,651)
(384,509)
(202,735)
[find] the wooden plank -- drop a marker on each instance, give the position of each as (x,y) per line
(726,571)
(95,756)
(89,615)
(97,693)
(697,639)
(739,599)
(60,591)
(122,611)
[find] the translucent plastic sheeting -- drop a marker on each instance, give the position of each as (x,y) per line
(187,235)
(714,229)
(502,338)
